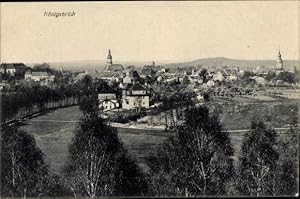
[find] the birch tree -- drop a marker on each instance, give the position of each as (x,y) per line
(257,163)
(198,159)
(287,170)
(97,164)
(91,162)
(22,164)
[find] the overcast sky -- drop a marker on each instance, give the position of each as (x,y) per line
(143,31)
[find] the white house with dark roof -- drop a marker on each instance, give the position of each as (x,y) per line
(108,101)
(39,76)
(13,69)
(135,96)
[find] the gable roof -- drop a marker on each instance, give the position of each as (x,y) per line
(107,96)
(13,66)
(115,67)
(38,73)
(137,87)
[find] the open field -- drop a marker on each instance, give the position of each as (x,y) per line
(237,113)
(53,132)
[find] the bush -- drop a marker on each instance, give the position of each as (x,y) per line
(125,117)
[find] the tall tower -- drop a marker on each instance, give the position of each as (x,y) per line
(109,60)
(279,62)
(153,63)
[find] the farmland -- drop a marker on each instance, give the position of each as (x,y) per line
(53,130)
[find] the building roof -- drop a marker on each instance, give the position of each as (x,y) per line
(38,73)
(107,96)
(13,66)
(136,87)
(115,67)
(148,71)
(110,74)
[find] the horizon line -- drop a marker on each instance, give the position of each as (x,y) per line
(142,61)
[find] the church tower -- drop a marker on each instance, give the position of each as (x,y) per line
(279,66)
(279,62)
(109,60)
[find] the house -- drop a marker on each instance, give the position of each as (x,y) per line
(218,77)
(127,79)
(148,71)
(108,101)
(230,74)
(39,76)
(259,80)
(135,96)
(160,79)
(109,75)
(210,83)
(13,69)
(233,77)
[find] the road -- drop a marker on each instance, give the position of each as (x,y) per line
(144,127)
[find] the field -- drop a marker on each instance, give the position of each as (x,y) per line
(53,132)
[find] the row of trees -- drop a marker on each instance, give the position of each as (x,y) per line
(198,160)
(29,97)
(27,100)
(173,106)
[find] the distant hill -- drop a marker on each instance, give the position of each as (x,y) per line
(243,64)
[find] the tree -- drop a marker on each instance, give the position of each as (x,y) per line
(203,72)
(286,77)
(197,160)
(288,164)
(97,164)
(42,67)
(185,80)
(271,75)
(90,166)
(22,165)
(88,105)
(257,163)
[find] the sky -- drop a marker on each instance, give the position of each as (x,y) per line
(143,31)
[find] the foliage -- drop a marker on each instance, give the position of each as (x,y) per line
(257,163)
(173,104)
(125,117)
(88,105)
(287,77)
(97,164)
(287,170)
(197,160)
(271,75)
(29,98)
(203,74)
(22,165)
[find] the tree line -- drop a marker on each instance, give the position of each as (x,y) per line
(28,97)
(25,101)
(198,160)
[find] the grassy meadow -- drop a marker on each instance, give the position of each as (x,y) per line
(53,130)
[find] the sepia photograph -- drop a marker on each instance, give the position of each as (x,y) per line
(149,99)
